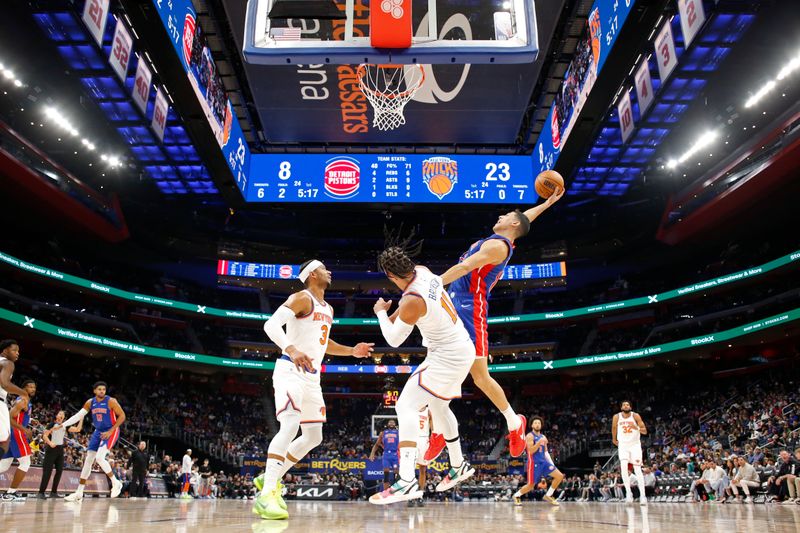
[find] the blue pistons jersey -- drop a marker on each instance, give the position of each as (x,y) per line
(103,418)
(391,440)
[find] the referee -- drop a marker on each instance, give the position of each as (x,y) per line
(53,456)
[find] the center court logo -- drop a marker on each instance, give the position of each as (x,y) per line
(440,174)
(342,178)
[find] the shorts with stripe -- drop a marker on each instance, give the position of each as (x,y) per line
(536,470)
(5,421)
(96,441)
(294,391)
(18,445)
(473,309)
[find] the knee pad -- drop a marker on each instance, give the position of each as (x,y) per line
(290,423)
(24,463)
(87,465)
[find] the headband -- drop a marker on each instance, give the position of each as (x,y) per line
(311,267)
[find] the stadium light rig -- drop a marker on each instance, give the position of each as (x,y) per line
(703,141)
(765,89)
(9,75)
(63,122)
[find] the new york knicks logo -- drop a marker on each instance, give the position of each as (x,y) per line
(342,178)
(440,174)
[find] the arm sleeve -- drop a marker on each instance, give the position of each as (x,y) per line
(77,417)
(394,333)
(274,326)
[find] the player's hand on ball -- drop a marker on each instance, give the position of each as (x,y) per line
(363,349)
(301,361)
(556,196)
(381,305)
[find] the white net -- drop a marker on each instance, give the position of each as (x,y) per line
(389,88)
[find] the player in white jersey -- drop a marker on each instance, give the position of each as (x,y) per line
(9,353)
(437,380)
(298,395)
(626,431)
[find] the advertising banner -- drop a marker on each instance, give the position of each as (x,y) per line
(606,18)
(191,45)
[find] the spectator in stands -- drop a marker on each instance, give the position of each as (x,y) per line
(778,485)
(170,477)
(746,478)
(709,483)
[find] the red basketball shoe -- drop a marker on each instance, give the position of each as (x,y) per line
(435,446)
(516,438)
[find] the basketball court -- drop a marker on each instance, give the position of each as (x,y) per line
(343,517)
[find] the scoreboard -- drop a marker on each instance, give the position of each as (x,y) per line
(535,271)
(391,178)
(272,271)
(256,270)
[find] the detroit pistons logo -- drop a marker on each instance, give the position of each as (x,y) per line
(188,37)
(285,272)
(440,174)
(554,129)
(342,178)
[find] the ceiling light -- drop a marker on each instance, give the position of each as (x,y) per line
(761,93)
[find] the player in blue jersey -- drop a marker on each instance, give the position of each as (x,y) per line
(470,283)
(107,416)
(539,465)
(388,440)
(19,447)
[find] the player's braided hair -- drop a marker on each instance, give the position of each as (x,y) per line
(396,258)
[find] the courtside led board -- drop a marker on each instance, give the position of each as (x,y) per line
(391,178)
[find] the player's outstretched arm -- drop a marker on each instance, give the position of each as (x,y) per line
(396,332)
(640,423)
(298,304)
(77,417)
(5,380)
(534,212)
(614,431)
(491,252)
(362,349)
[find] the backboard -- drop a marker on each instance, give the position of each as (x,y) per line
(443,31)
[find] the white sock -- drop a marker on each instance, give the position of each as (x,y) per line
(512,419)
(271,476)
(454,452)
(517,495)
(287,465)
(626,479)
(11,491)
(408,455)
(80,489)
(637,470)
(550,491)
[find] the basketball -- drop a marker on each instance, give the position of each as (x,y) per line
(547,182)
(440,185)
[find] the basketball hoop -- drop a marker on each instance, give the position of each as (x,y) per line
(389,88)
